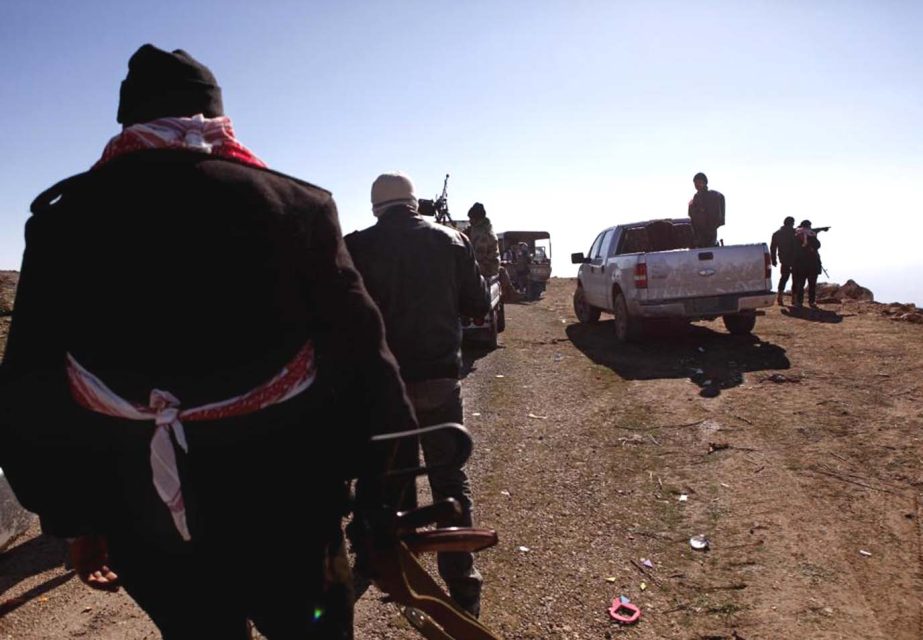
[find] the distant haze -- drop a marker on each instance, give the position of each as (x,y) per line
(561,116)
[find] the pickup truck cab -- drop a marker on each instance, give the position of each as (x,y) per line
(651,270)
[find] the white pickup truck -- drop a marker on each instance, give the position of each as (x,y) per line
(649,270)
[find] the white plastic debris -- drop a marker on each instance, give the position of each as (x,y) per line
(683,497)
(523,549)
(863,552)
(699,542)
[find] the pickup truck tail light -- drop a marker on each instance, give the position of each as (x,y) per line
(641,275)
(768,263)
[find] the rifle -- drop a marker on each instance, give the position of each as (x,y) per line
(392,540)
(819,229)
(439,206)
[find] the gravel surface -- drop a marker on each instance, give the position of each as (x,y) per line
(596,463)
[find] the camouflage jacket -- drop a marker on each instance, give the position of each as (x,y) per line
(486,250)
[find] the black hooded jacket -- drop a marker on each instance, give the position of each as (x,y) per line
(203,277)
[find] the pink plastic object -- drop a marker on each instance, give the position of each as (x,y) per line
(633,612)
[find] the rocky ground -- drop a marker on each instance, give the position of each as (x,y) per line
(596,463)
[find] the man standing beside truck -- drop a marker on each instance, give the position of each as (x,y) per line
(806,265)
(423,276)
(783,244)
(706,210)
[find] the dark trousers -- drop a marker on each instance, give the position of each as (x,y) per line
(785,271)
(799,276)
(706,237)
(287,588)
(436,402)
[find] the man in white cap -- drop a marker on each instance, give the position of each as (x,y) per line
(423,276)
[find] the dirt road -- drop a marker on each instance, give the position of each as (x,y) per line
(804,473)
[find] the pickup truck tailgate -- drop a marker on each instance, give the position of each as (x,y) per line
(693,273)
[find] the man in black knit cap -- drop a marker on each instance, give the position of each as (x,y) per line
(196,449)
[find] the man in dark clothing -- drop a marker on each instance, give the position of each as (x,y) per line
(806,265)
(783,246)
(198,449)
(423,276)
(706,210)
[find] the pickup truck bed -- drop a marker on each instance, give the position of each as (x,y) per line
(650,270)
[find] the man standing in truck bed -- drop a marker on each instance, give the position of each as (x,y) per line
(423,276)
(706,209)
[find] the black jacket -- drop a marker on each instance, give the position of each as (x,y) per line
(422,276)
(706,209)
(200,276)
(783,242)
(807,255)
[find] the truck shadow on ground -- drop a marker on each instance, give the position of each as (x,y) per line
(471,353)
(814,315)
(710,359)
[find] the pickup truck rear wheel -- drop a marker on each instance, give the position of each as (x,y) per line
(626,327)
(739,324)
(585,313)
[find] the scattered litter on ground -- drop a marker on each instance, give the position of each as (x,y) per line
(780,378)
(718,446)
(623,611)
(523,549)
(611,579)
(863,552)
(499,375)
(476,414)
(683,497)
(558,357)
(643,586)
(505,493)
(532,415)
(699,542)
(647,563)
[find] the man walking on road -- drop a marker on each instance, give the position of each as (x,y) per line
(423,276)
(197,449)
(706,210)
(783,245)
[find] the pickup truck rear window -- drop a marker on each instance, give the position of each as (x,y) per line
(659,235)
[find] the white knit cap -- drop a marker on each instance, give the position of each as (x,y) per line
(390,189)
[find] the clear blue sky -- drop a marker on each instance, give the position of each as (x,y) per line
(563,116)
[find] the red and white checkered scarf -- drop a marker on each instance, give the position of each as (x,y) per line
(165,410)
(214,136)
